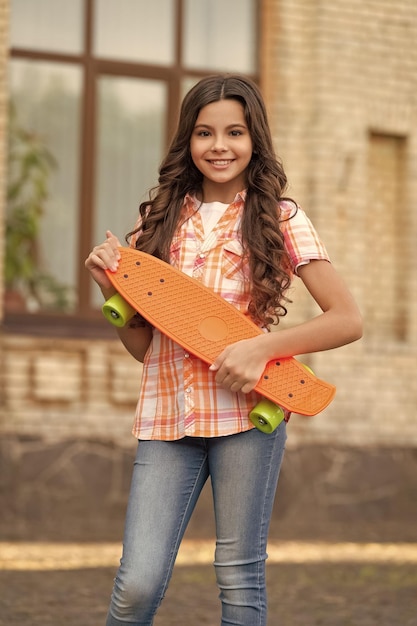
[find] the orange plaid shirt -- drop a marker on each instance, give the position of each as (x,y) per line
(179,396)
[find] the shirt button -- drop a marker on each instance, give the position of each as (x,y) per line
(202,255)
(188,390)
(186,355)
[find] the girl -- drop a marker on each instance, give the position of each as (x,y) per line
(219,215)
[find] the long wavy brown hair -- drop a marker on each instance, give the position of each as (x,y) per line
(261,236)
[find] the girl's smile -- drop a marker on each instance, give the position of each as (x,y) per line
(221,163)
(221,148)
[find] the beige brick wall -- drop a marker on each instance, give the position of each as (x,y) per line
(337,73)
(340,80)
(4,17)
(75,388)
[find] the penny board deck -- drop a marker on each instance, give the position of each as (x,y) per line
(204,324)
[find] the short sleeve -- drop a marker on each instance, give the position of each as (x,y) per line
(302,242)
(137,230)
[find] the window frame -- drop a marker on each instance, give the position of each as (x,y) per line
(86,321)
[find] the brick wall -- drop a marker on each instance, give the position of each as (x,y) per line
(76,389)
(4,16)
(340,80)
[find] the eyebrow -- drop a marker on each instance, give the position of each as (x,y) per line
(237,125)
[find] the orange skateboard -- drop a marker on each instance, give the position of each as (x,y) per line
(204,324)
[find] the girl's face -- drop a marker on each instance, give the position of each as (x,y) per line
(221,148)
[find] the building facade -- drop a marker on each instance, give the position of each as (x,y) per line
(340,82)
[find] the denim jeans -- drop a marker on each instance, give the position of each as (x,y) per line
(168,477)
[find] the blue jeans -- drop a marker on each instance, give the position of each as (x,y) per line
(168,477)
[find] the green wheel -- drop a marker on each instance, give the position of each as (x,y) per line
(117,311)
(266,416)
(308,368)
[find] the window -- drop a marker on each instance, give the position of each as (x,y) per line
(95,87)
(387,222)
(210,24)
(46,98)
(126,31)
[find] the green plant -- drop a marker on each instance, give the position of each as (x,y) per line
(30,165)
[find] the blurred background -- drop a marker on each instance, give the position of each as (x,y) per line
(89,98)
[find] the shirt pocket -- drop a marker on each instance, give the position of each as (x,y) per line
(234,266)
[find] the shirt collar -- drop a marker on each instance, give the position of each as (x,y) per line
(192,204)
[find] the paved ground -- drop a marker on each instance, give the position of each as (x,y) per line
(310,584)
(343,538)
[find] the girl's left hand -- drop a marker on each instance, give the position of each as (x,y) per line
(240,365)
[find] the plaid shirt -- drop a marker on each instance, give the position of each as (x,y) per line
(179,396)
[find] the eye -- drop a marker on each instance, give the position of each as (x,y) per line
(203,133)
(236,133)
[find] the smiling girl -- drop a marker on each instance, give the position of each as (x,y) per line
(219,215)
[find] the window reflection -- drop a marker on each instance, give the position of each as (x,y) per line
(220,35)
(52,25)
(46,99)
(131,134)
(135,30)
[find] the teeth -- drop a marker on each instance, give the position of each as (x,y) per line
(221,162)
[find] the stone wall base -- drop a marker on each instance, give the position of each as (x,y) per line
(77,491)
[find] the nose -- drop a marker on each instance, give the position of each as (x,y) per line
(219,145)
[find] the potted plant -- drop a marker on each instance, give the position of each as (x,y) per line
(30,165)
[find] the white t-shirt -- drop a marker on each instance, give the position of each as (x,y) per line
(210,213)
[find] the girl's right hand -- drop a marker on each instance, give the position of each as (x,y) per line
(103,257)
